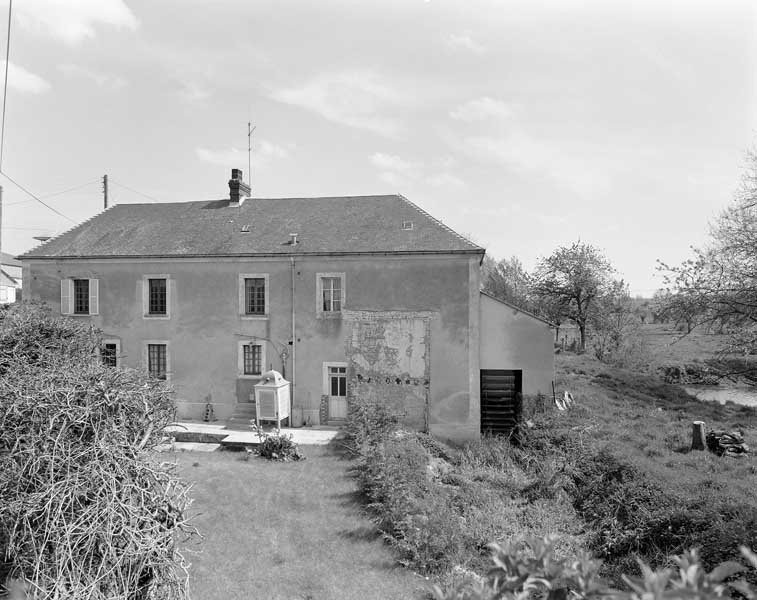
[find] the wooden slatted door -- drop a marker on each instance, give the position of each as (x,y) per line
(498,400)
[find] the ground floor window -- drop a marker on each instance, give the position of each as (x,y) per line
(252,359)
(157,360)
(109,354)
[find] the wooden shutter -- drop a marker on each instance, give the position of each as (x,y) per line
(94,297)
(66,296)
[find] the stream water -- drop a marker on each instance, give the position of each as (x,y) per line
(738,395)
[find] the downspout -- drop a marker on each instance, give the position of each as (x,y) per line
(294,347)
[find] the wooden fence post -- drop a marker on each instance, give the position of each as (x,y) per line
(697,435)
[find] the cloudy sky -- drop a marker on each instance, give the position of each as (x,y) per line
(525,125)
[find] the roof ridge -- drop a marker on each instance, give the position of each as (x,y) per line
(440,223)
(70,229)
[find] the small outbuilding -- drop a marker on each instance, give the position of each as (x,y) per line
(516,357)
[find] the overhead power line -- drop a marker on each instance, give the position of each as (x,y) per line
(73,189)
(5,85)
(126,187)
(23,189)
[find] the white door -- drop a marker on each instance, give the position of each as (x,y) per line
(336,389)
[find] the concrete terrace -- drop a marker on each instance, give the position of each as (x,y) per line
(208,437)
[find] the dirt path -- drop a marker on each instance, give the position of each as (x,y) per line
(289,531)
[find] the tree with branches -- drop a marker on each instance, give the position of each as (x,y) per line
(507,280)
(721,277)
(573,278)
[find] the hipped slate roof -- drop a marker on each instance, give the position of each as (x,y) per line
(341,225)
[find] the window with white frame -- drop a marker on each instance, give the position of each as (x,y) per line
(330,294)
(251,359)
(156,296)
(336,380)
(79,296)
(253,295)
(110,353)
(157,359)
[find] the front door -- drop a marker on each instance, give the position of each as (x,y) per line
(336,389)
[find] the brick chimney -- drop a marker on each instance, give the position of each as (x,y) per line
(238,189)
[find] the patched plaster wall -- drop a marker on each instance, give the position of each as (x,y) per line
(389,361)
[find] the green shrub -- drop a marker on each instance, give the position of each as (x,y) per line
(368,423)
(534,571)
(278,447)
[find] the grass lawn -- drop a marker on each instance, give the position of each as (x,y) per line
(648,423)
(291,531)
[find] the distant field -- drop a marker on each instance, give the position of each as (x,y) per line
(665,345)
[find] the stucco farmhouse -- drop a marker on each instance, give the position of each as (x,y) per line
(350,298)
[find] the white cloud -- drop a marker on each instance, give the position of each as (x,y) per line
(357,98)
(72,22)
(392,179)
(390,162)
(445,180)
(398,171)
(263,153)
(22,80)
(585,169)
(103,80)
(466,42)
(481,109)
(193,92)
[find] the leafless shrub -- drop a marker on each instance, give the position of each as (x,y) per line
(86,511)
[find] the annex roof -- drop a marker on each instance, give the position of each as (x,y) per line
(260,226)
(517,308)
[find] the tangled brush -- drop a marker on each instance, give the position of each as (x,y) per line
(86,510)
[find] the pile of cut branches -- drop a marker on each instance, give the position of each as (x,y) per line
(86,511)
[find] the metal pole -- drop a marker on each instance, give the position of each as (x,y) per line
(105,191)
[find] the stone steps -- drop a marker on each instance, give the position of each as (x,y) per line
(242,417)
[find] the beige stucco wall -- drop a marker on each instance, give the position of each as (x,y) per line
(512,339)
(205,326)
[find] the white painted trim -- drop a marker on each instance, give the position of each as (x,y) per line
(240,358)
(326,365)
(145,361)
(146,295)
(243,305)
(67,296)
(319,312)
(117,342)
(94,296)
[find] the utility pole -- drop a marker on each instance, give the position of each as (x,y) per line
(105,191)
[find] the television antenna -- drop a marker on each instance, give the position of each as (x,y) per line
(250,129)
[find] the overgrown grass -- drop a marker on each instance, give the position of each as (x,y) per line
(614,475)
(286,530)
(440,507)
(632,475)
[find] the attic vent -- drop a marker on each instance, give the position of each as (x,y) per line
(292,239)
(245,229)
(407,225)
